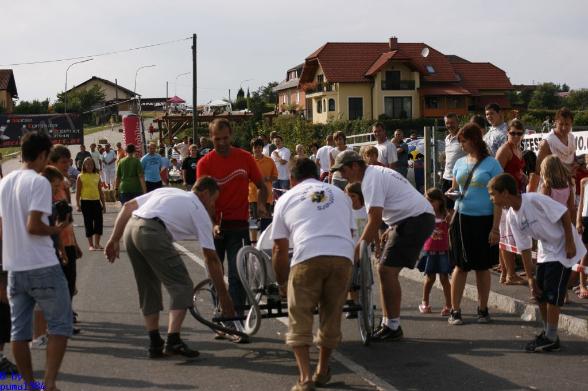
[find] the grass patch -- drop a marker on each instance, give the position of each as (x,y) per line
(94,129)
(8,150)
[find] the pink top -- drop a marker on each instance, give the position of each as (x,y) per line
(561,195)
(439,239)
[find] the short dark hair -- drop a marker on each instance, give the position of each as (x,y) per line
(478,120)
(59,152)
(277,136)
(130,148)
(303,169)
(220,123)
(33,144)
(52,173)
(206,183)
(258,142)
(355,188)
(563,113)
(451,115)
(378,125)
(503,182)
(339,134)
(492,106)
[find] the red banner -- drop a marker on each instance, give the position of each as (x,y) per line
(132,132)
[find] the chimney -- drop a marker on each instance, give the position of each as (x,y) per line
(393,43)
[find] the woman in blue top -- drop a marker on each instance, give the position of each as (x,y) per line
(474,229)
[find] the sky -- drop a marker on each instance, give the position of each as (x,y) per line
(250,43)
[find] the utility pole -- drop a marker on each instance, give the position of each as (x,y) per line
(194,85)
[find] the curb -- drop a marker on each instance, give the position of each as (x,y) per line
(527,312)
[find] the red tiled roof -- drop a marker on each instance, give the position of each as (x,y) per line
(7,82)
(477,76)
(357,62)
(443,90)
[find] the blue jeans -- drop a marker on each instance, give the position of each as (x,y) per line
(46,287)
(126,197)
(282,184)
(230,243)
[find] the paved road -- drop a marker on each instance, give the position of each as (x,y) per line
(110,353)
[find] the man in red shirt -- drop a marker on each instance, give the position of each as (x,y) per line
(232,168)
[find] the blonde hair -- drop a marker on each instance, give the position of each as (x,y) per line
(368,150)
(554,173)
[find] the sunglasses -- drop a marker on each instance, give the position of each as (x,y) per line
(516,133)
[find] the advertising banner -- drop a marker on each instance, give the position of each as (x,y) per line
(62,128)
(531,142)
(132,132)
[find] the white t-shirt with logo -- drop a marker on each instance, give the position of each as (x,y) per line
(385,188)
(284,154)
(539,218)
(324,157)
(183,214)
(22,192)
(387,153)
(318,218)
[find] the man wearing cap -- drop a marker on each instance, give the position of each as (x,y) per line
(390,198)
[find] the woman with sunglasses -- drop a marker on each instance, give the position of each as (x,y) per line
(510,157)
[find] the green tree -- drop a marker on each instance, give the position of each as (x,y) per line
(33,107)
(545,97)
(577,99)
(80,101)
(240,102)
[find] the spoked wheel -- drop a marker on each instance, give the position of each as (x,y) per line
(366,316)
(205,308)
(253,276)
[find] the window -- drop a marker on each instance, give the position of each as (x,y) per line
(319,106)
(433,102)
(456,102)
(355,108)
(393,76)
(430,69)
(284,99)
(331,104)
(320,79)
(398,107)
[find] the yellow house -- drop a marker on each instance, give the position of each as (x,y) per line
(351,81)
(8,90)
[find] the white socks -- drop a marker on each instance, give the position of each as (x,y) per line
(392,324)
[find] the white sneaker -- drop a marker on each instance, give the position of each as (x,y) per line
(39,342)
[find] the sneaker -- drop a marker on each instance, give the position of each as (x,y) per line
(484,316)
(445,311)
(181,349)
(156,351)
(387,334)
(321,379)
(7,367)
(455,318)
(425,308)
(39,342)
(541,343)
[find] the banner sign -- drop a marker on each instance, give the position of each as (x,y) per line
(62,128)
(132,132)
(531,142)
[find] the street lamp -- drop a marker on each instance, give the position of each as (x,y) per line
(176,82)
(137,72)
(65,93)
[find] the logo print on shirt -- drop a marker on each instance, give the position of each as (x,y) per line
(318,196)
(237,173)
(324,197)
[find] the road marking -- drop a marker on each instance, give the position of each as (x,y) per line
(354,367)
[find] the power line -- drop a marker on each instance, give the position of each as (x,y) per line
(97,54)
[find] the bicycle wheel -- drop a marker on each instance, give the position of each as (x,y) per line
(253,276)
(366,316)
(206,309)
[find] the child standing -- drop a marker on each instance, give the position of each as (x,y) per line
(436,259)
(536,216)
(557,182)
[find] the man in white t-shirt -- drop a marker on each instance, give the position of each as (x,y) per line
(390,198)
(537,216)
(96,157)
(323,157)
(183,148)
(386,150)
(453,152)
(109,164)
(34,273)
(281,156)
(153,222)
(318,218)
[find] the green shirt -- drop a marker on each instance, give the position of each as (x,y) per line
(129,170)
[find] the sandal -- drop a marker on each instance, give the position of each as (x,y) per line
(446,311)
(515,280)
(425,308)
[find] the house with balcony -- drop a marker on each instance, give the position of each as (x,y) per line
(351,81)
(290,97)
(8,92)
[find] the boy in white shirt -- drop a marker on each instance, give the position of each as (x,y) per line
(536,216)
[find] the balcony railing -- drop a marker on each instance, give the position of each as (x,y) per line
(322,87)
(398,84)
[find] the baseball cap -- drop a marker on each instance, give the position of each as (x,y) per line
(344,158)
